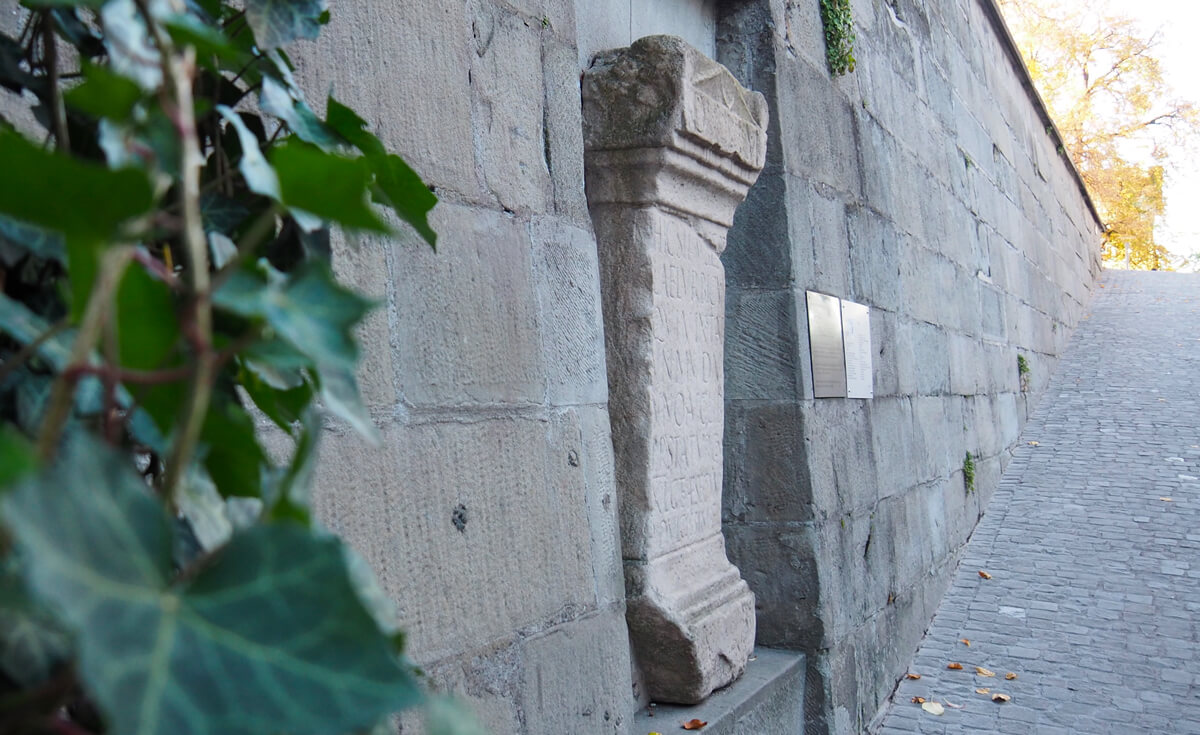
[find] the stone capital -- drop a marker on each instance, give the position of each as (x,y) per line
(666,125)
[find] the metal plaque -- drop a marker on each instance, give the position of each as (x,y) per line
(825,346)
(856,338)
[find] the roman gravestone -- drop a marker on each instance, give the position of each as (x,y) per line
(673,143)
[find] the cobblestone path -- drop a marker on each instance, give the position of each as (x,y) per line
(1092,541)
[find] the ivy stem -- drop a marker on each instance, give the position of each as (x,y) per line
(50,56)
(177,67)
(112,267)
(31,349)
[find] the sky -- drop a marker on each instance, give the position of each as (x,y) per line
(1178,22)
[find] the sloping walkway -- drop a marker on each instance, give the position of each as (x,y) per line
(1092,541)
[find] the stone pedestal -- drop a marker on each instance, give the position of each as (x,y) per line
(673,143)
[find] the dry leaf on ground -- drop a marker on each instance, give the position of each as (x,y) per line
(983,690)
(954,666)
(912,676)
(1010,676)
(952,705)
(694,724)
(984,672)
(1034,444)
(984,574)
(933,708)
(965,642)
(1001,698)
(1167,500)
(918,700)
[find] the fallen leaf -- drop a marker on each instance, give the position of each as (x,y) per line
(984,672)
(694,724)
(984,690)
(918,700)
(1034,444)
(950,704)
(1166,500)
(998,697)
(965,642)
(912,676)
(1010,676)
(954,666)
(984,574)
(933,708)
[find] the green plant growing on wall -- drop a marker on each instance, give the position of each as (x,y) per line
(1023,372)
(968,470)
(839,36)
(165,264)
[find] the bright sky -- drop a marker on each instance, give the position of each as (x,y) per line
(1178,22)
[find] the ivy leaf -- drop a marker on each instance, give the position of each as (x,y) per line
(35,240)
(58,193)
(279,22)
(148,329)
(277,100)
(31,644)
(339,393)
(331,187)
(17,459)
(259,175)
(221,214)
(188,30)
(104,93)
(309,309)
(401,187)
(284,407)
(234,459)
(293,490)
(269,637)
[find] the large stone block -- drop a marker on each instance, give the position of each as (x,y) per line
(443,542)
(567,279)
(564,130)
(467,327)
(382,59)
(576,677)
(766,473)
(780,565)
(508,106)
(761,345)
(597,461)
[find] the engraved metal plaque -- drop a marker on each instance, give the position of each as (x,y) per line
(825,345)
(856,338)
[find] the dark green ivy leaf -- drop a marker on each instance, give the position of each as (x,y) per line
(234,459)
(147,327)
(279,22)
(31,644)
(269,637)
(17,458)
(38,241)
(401,187)
(57,192)
(279,101)
(104,93)
(331,187)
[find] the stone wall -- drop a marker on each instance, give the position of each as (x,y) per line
(926,185)
(490,511)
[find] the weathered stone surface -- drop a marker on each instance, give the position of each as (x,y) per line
(673,143)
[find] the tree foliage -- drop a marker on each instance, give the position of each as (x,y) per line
(165,269)
(1104,86)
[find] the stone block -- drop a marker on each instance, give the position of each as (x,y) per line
(884,326)
(761,350)
(931,365)
(382,59)
(778,562)
(813,111)
(442,542)
(874,259)
(467,328)
(564,130)
(508,105)
(758,253)
(966,365)
(567,280)
(576,677)
(601,498)
(893,444)
(766,475)
(365,268)
(820,244)
(938,430)
(842,468)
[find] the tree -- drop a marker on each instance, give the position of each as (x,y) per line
(164,265)
(1104,87)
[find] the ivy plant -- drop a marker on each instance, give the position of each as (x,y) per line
(839,36)
(165,205)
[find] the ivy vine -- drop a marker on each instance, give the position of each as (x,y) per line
(164,265)
(839,36)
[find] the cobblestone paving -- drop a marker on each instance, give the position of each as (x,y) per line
(1092,541)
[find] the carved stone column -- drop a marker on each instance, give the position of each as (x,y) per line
(673,143)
